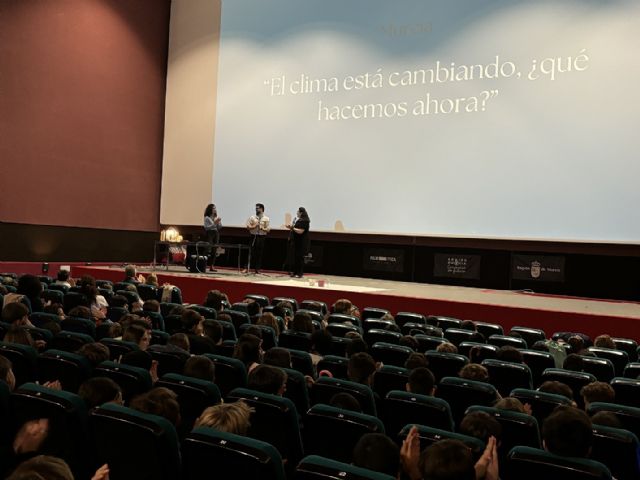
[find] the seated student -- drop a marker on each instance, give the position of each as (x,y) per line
(177,344)
(81,312)
(278,357)
(138,335)
(248,350)
(604,341)
(100,390)
(409,341)
(607,419)
(119,301)
(151,306)
(567,432)
(254,309)
(213,330)
(95,352)
(356,345)
(481,425)
(557,388)
(421,382)
(227,417)
(142,359)
(31,287)
(573,362)
(131,276)
(152,279)
(361,368)
(473,371)
(346,401)
(508,353)
(6,373)
(42,467)
(416,360)
(512,404)
(597,392)
(268,379)
(200,367)
(301,323)
(377,452)
(321,342)
(268,319)
(447,347)
(193,326)
(63,278)
(97,303)
(284,310)
(16,314)
(159,401)
(215,299)
(345,307)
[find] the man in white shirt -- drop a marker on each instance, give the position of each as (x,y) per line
(258,226)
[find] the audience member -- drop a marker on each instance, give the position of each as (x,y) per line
(604,341)
(177,344)
(302,323)
(213,330)
(248,350)
(421,382)
(473,371)
(557,388)
(215,299)
(269,320)
(416,360)
(20,336)
(409,341)
(138,335)
(607,419)
(345,307)
(16,313)
(95,353)
(321,341)
(199,366)
(268,379)
(99,390)
(377,452)
(346,401)
(573,362)
(567,432)
(97,302)
(81,311)
(159,401)
(355,346)
(254,309)
(42,467)
(31,287)
(63,278)
(278,357)
(597,392)
(508,353)
(361,368)
(152,279)
(481,425)
(512,404)
(131,276)
(447,347)
(227,417)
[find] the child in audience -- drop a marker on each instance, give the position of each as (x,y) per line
(227,417)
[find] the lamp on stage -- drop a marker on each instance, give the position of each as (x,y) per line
(170,234)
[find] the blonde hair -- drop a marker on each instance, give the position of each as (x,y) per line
(227,417)
(152,279)
(447,347)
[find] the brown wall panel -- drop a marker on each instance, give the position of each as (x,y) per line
(82,87)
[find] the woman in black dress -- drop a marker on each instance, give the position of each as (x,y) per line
(300,238)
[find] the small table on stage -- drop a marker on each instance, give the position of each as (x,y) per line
(230,246)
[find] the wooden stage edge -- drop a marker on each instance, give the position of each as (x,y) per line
(507,308)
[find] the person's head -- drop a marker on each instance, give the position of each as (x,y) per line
(356,345)
(199,366)
(302,213)
(508,353)
(597,392)
(42,467)
(269,320)
(345,307)
(29,285)
(468,325)
(248,349)
(302,322)
(421,381)
(604,341)
(99,390)
(209,211)
(138,335)
(573,362)
(321,342)
(278,357)
(409,341)
(474,371)
(81,312)
(345,401)
(254,330)
(268,379)
(152,279)
(576,342)
(159,401)
(511,404)
(63,275)
(253,307)
(227,417)
(259,208)
(567,432)
(447,347)
(361,368)
(607,419)
(480,425)
(213,330)
(19,335)
(151,306)
(557,388)
(540,346)
(15,313)
(214,300)
(88,286)
(377,452)
(95,352)
(6,373)
(192,321)
(416,360)
(119,301)
(130,271)
(447,460)
(180,340)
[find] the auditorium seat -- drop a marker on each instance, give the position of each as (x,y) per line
(601,368)
(430,435)
(39,319)
(529,335)
(628,416)
(61,288)
(506,376)
(297,390)
(632,370)
(70,369)
(119,348)
(67,414)
(275,421)
(385,336)
(459,335)
(537,362)
(301,361)
(627,345)
(390,354)
(404,408)
(206,312)
(263,300)
(132,380)
(295,340)
(315,467)
(316,316)
(132,297)
(334,432)
(507,341)
(344,319)
(23,359)
(528,463)
(116,313)
(314,305)
(194,395)
(408,317)
(378,324)
(157,321)
(341,329)
(238,318)
(619,358)
(69,341)
(373,312)
(482,351)
(627,391)
(428,342)
(618,450)
(292,301)
(336,365)
(575,380)
(45,279)
(79,325)
(542,403)
(121,286)
(167,307)
(444,364)
(228,330)
(207,453)
(158,337)
(104,284)
(106,293)
(135,445)
(412,329)
(53,296)
(225,349)
(389,377)
(444,323)
(74,299)
(461,394)
(168,362)
(269,338)
(230,373)
(40,334)
(147,292)
(339,346)
(325,388)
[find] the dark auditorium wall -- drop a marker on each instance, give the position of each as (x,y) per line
(82,89)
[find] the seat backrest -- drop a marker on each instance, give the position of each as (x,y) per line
(228,330)
(618,450)
(339,346)
(627,391)
(132,380)
(238,318)
(116,313)
(317,316)
(315,305)
(575,380)
(342,329)
(461,394)
(263,300)
(408,317)
(53,296)
(301,361)
(333,432)
(39,319)
(158,337)
(147,292)
(529,335)
(373,312)
(325,388)
(56,286)
(292,301)
(230,373)
(166,307)
(444,322)
(119,348)
(628,416)
(533,463)
(206,312)
(430,435)
(173,324)
(389,377)
(412,329)
(79,325)
(135,444)
(619,358)
(315,467)
(69,341)
(481,351)
(601,368)
(168,361)
(537,362)
(507,341)
(444,364)
(377,323)
(632,370)
(70,369)
(295,340)
(506,376)
(157,320)
(232,456)
(627,345)
(542,403)
(428,342)
(336,365)
(240,307)
(403,408)
(390,354)
(459,335)
(297,390)
(376,335)
(23,359)
(274,421)
(269,338)
(343,318)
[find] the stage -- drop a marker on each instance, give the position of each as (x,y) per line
(507,308)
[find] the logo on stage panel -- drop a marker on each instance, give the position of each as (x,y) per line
(451,265)
(383,260)
(535,269)
(542,268)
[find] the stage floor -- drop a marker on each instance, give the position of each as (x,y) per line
(510,308)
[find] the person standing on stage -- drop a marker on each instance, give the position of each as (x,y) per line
(258,226)
(300,238)
(212,227)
